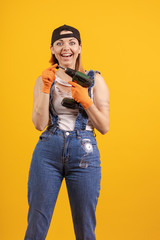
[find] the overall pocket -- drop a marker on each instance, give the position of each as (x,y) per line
(45,136)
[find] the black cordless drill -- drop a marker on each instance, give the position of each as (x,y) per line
(77,77)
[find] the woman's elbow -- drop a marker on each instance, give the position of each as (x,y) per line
(39,126)
(104,131)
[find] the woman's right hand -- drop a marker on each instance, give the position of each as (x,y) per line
(48,77)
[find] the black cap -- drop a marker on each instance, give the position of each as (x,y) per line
(56,33)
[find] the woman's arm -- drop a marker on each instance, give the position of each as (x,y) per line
(99,111)
(40,114)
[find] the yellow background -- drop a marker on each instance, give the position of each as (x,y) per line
(121,39)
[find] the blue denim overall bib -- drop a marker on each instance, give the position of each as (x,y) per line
(72,155)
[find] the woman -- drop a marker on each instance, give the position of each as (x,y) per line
(67,148)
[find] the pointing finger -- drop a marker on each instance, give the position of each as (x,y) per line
(52,68)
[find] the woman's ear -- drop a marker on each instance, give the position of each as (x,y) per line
(52,51)
(80,48)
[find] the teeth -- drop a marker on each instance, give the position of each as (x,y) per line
(66,55)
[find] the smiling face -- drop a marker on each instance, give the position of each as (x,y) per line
(66,50)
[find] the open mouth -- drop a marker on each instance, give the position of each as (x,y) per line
(66,55)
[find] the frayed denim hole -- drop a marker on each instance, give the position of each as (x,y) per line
(83,164)
(88,148)
(87,145)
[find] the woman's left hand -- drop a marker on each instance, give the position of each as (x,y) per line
(80,95)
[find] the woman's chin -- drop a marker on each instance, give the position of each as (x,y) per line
(67,64)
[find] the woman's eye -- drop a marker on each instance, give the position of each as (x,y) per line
(59,43)
(72,43)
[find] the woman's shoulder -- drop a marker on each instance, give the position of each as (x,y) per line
(38,83)
(100,81)
(38,80)
(98,76)
(95,74)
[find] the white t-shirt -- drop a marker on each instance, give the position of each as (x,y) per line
(66,116)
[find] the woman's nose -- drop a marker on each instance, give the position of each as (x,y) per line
(66,46)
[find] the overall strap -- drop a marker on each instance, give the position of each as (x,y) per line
(52,113)
(82,118)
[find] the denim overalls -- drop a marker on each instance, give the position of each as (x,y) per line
(72,155)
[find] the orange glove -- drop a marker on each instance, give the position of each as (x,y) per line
(80,95)
(48,77)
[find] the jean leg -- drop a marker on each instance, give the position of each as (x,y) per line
(44,183)
(83,185)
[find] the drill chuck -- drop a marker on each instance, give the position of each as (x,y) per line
(78,77)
